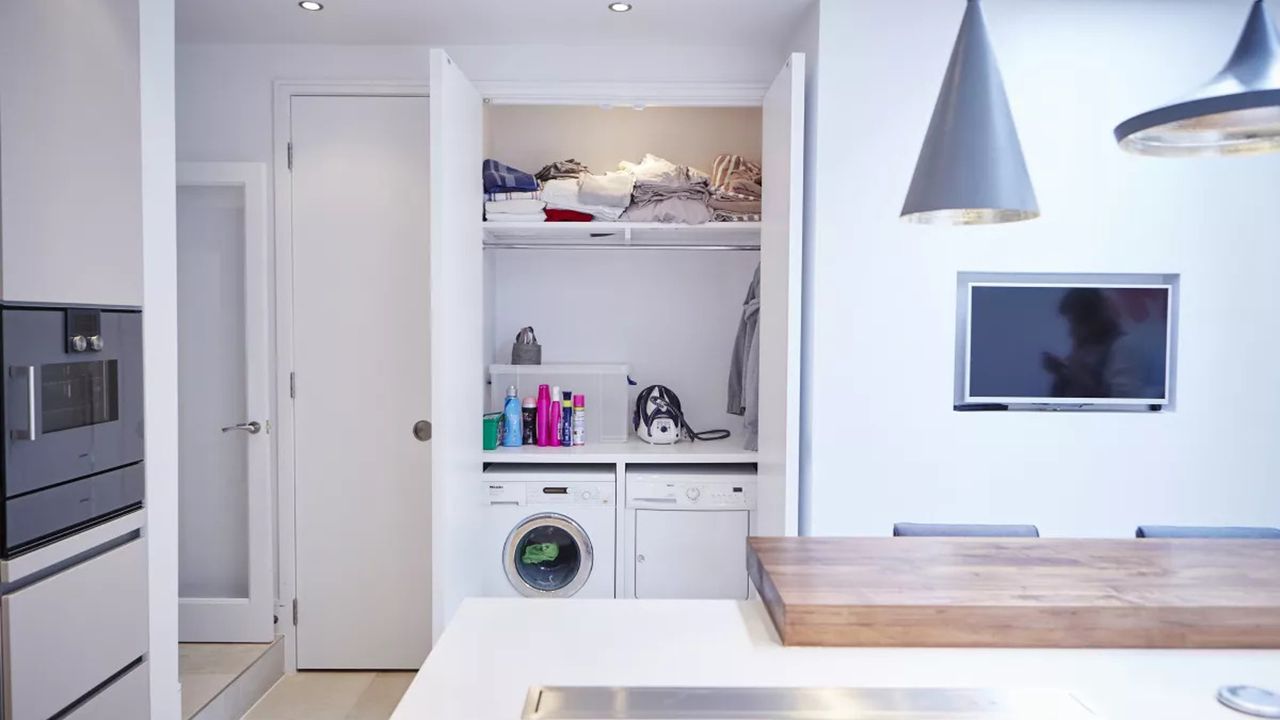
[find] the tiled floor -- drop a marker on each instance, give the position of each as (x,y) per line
(206,668)
(333,696)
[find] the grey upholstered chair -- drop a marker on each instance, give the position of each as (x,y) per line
(1207,533)
(992,531)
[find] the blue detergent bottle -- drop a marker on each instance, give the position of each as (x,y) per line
(512,434)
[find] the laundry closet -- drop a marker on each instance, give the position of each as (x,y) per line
(663,301)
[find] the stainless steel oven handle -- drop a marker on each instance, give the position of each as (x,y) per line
(32,431)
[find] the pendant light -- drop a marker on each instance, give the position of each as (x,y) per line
(1237,112)
(971,170)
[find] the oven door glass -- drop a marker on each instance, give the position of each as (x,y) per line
(79,394)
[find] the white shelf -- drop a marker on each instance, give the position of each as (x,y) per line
(633,451)
(716,235)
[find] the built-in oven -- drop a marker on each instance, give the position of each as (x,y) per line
(73,435)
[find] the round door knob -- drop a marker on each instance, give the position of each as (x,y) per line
(95,342)
(79,343)
(422,430)
(693,494)
(639,558)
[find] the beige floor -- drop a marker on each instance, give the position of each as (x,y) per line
(206,668)
(333,696)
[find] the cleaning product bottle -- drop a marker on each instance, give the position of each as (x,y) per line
(566,420)
(512,435)
(553,423)
(544,415)
(529,421)
(579,420)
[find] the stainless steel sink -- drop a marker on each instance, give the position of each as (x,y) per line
(755,703)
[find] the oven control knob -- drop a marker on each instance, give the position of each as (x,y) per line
(693,494)
(79,343)
(95,342)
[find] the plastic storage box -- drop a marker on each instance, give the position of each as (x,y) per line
(604,386)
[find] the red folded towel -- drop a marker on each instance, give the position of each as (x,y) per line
(554,215)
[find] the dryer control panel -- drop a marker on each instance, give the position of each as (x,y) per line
(691,494)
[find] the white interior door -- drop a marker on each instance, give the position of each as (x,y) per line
(781,247)
(361,300)
(224,484)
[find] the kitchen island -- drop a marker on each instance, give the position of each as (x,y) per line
(494,650)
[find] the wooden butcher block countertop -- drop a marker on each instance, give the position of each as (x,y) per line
(982,592)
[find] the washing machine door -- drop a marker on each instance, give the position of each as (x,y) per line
(547,555)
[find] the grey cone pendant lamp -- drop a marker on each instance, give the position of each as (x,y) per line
(971,170)
(1237,112)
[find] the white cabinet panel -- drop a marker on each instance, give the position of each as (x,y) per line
(68,633)
(691,554)
(781,252)
(70,152)
(127,697)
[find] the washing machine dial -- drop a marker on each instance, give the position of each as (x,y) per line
(586,494)
(693,494)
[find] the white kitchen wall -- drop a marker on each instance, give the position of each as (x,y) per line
(884,444)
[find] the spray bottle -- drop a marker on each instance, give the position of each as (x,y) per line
(579,420)
(553,421)
(544,415)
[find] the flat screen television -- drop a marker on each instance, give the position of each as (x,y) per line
(1068,343)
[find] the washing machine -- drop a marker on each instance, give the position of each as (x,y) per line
(550,531)
(685,531)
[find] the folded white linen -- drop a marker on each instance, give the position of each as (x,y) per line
(516,217)
(514,206)
(653,169)
(562,194)
(610,190)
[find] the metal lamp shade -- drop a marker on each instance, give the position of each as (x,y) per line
(1237,112)
(971,170)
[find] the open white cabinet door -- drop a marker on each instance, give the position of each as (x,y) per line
(781,253)
(457,362)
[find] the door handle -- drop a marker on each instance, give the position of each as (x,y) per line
(253,427)
(32,431)
(422,430)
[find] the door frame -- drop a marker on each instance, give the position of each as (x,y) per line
(286,487)
(251,179)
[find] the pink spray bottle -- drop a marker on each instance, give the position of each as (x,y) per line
(544,415)
(553,420)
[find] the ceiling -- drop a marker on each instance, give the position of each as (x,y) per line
(490,22)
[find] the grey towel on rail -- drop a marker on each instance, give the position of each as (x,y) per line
(744,367)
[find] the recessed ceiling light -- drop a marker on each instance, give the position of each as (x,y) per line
(311,5)
(620,7)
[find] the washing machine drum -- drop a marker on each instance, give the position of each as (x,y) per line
(547,555)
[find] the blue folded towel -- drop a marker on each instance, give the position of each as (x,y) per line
(499,178)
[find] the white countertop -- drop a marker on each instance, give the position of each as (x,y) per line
(495,649)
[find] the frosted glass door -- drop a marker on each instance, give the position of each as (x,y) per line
(225,555)
(691,554)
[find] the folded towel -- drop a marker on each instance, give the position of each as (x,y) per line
(563,195)
(557,215)
(514,206)
(514,217)
(612,189)
(721,203)
(527,195)
(504,178)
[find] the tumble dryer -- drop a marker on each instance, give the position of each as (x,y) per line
(549,531)
(686,529)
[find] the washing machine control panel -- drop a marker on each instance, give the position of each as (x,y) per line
(691,494)
(553,493)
